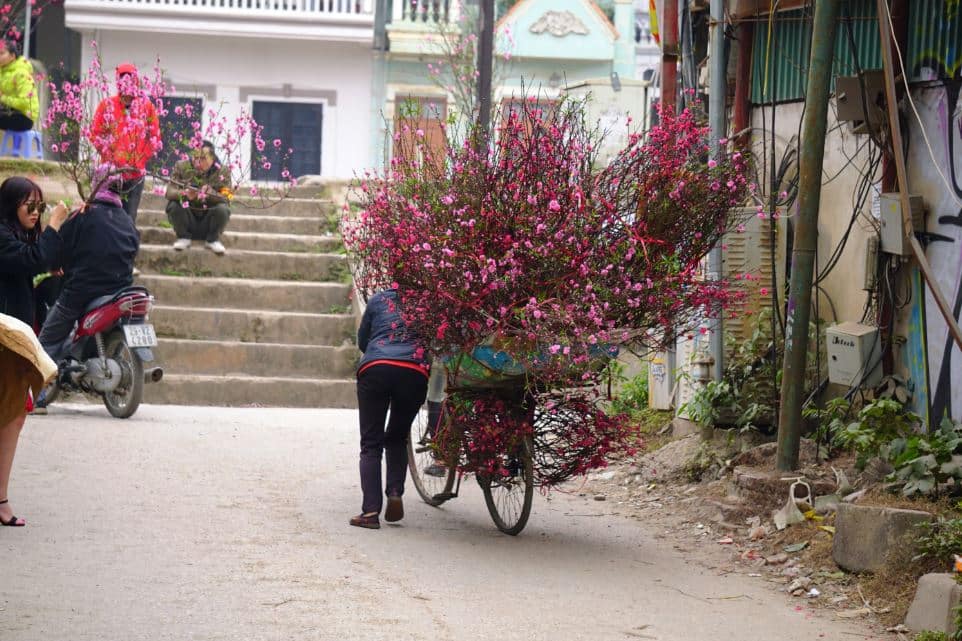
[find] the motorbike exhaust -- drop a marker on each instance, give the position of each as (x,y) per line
(153,375)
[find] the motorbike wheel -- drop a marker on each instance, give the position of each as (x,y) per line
(124,401)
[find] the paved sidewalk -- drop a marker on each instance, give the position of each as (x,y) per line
(228,524)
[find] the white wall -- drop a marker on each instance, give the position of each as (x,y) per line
(232,63)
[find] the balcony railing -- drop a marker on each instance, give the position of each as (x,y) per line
(424,12)
(291,8)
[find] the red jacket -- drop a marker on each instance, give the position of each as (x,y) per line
(126,137)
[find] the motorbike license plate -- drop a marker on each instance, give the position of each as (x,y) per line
(140,335)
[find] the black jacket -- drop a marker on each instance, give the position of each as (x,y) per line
(20,261)
(383,335)
(99,247)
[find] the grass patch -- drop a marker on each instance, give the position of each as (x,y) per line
(340,272)
(165,224)
(894,586)
(338,309)
(16,166)
(293,277)
(186,273)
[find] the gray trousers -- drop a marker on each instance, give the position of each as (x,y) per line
(198,224)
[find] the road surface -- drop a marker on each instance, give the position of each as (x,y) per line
(231,524)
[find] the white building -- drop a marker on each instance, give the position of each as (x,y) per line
(647,51)
(303,67)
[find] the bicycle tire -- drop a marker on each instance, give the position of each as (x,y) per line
(500,496)
(421,456)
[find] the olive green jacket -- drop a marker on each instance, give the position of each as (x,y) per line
(215,180)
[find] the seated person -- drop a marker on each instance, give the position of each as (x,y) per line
(100,244)
(198,195)
(19,99)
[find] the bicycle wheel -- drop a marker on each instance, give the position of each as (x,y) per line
(432,478)
(509,498)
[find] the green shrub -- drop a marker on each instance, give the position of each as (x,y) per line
(923,462)
(877,425)
(931,635)
(632,396)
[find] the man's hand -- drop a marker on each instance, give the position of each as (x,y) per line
(190,193)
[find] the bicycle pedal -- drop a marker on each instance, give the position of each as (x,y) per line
(445,496)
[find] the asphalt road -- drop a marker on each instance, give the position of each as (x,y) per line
(210,524)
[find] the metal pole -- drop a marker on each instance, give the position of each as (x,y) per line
(717,95)
(806,233)
(669,53)
(26,33)
(485,61)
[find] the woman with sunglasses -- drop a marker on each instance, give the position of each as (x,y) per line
(26,250)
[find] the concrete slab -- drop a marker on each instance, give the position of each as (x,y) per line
(252,391)
(229,358)
(866,535)
(935,601)
(238,293)
(253,222)
(252,241)
(253,326)
(238,263)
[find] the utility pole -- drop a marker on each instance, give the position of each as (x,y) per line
(485,62)
(717,95)
(806,233)
(669,53)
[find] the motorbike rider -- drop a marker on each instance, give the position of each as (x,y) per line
(100,243)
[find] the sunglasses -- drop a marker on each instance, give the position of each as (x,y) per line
(36,206)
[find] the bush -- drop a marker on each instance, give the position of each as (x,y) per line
(931,635)
(872,433)
(924,462)
(632,396)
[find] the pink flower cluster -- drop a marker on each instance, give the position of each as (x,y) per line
(524,244)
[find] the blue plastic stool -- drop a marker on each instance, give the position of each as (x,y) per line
(22,144)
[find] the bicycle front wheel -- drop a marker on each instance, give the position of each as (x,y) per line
(432,477)
(509,498)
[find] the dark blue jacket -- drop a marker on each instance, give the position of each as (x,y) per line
(99,247)
(383,335)
(20,261)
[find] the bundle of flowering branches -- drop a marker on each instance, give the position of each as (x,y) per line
(522,246)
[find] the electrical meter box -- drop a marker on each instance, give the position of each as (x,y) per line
(893,238)
(854,355)
(862,102)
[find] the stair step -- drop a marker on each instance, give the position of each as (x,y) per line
(240,263)
(241,391)
(238,293)
(253,222)
(291,207)
(253,326)
(231,358)
(253,241)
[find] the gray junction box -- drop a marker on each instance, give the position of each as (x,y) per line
(854,355)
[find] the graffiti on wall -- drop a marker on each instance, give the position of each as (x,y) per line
(941,114)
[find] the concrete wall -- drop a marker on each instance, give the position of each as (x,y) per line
(237,71)
(924,353)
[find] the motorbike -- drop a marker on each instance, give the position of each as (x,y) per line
(106,353)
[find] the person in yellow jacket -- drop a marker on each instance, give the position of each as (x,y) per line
(19,100)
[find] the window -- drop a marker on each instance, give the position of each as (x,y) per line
(176,130)
(298,125)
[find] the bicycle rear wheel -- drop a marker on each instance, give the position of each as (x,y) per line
(509,498)
(433,479)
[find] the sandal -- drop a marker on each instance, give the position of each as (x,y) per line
(13,522)
(369,521)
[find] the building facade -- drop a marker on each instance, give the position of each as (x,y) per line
(302,67)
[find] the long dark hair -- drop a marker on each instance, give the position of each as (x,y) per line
(14,192)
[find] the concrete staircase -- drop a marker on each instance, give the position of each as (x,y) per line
(267,324)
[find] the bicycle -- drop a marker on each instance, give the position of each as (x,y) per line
(436,476)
